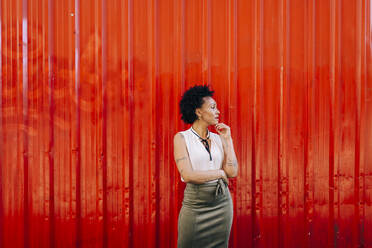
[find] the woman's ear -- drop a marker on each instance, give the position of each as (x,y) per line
(198,113)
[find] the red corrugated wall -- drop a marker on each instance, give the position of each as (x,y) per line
(89,106)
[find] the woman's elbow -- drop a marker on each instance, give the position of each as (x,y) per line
(233,172)
(186,177)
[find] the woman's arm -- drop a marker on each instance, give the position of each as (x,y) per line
(230,163)
(182,159)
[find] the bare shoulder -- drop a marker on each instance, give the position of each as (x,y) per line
(179,145)
(178,139)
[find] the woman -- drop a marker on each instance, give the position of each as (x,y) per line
(205,161)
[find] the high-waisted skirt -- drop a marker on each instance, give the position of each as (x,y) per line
(206,216)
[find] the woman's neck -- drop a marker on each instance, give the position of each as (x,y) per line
(200,128)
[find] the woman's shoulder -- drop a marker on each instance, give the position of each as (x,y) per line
(180,138)
(181,134)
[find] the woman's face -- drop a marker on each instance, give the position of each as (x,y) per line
(208,111)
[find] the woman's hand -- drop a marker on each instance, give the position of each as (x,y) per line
(223,130)
(230,163)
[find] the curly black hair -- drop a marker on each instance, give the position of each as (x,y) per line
(191,100)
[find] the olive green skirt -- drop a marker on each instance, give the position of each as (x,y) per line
(206,216)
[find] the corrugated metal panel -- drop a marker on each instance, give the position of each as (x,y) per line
(89,95)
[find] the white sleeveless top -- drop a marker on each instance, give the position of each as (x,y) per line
(199,156)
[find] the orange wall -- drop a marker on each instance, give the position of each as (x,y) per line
(89,106)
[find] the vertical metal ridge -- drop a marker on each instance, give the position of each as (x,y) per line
(235,44)
(331,232)
(253,179)
(233,99)
(51,80)
(183,44)
(104,124)
(307,36)
(153,69)
(337,102)
(309,117)
(155,125)
(286,91)
(257,80)
(283,74)
(333,45)
(253,118)
(233,54)
(180,65)
(358,76)
(123,95)
(367,107)
(309,167)
(154,145)
(1,131)
(208,42)
(131,118)
(25,120)
(15,76)
(205,40)
(45,31)
(19,118)
(363,127)
(228,10)
(232,57)
(78,136)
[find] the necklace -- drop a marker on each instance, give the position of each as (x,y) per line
(204,142)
